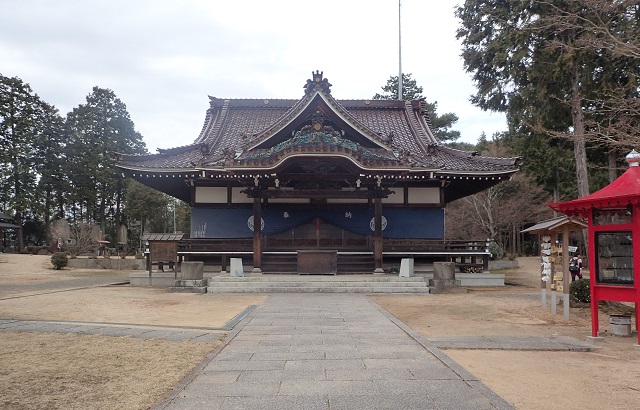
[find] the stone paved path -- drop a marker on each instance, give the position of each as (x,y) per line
(329,351)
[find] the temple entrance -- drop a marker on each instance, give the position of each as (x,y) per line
(318,235)
(281,250)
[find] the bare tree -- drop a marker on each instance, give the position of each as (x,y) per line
(607,32)
(85,238)
(499,213)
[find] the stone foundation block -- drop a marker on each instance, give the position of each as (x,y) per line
(192,270)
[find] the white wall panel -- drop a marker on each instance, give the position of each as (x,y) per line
(239,198)
(424,195)
(211,195)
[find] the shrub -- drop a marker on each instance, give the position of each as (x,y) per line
(495,250)
(59,260)
(579,291)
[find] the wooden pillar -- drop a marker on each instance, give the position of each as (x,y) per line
(223,264)
(257,235)
(566,275)
(377,237)
(543,284)
(485,263)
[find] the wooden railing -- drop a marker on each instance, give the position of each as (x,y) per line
(363,244)
(215,245)
(468,255)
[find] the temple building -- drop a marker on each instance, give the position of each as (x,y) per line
(267,178)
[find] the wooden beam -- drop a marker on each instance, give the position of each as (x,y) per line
(318,193)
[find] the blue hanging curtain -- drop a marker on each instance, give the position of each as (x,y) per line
(418,223)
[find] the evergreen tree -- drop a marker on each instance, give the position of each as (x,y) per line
(440,124)
(149,207)
(28,133)
(550,66)
(96,130)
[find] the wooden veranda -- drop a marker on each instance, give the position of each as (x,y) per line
(355,255)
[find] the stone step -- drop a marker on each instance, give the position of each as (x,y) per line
(317,289)
(316,278)
(344,284)
(189,289)
(317,283)
(180,283)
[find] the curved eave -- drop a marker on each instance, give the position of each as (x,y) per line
(583,207)
(280,161)
(620,193)
(157,170)
(462,174)
(175,184)
(303,106)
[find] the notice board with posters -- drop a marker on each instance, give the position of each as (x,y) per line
(557,264)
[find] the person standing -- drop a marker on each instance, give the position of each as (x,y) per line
(575,267)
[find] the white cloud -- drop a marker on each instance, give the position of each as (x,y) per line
(163,58)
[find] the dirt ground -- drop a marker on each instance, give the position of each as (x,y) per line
(606,378)
(42,370)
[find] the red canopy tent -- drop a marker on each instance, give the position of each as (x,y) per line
(613,214)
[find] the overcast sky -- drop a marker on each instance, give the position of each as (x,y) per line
(163,58)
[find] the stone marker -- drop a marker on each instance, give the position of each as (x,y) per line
(406,267)
(236,267)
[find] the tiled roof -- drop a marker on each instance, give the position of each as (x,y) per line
(162,236)
(176,158)
(456,160)
(243,128)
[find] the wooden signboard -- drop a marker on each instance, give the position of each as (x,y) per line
(163,251)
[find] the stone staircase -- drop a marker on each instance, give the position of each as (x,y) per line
(317,283)
(287,264)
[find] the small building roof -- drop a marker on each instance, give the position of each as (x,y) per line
(6,225)
(622,192)
(557,223)
(162,236)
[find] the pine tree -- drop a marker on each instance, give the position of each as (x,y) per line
(440,124)
(28,130)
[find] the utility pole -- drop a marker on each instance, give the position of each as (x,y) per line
(174,215)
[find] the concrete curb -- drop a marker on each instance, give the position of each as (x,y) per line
(240,322)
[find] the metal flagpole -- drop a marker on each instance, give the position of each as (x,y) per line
(399,51)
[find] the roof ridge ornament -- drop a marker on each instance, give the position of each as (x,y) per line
(317,83)
(633,158)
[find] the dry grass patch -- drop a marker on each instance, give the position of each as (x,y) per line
(67,371)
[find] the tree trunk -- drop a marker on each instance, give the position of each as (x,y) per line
(18,214)
(579,144)
(18,221)
(103,222)
(117,216)
(611,157)
(48,202)
(60,205)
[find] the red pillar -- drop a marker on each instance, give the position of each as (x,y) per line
(593,272)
